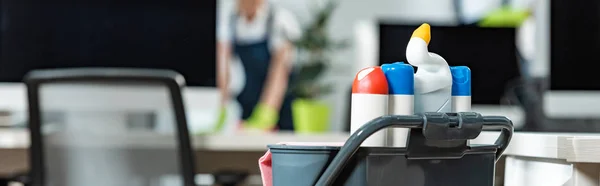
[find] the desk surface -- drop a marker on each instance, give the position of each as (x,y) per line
(572,147)
(19,139)
(239,152)
(568,146)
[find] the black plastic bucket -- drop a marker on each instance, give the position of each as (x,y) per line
(420,164)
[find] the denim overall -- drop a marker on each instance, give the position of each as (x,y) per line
(256,59)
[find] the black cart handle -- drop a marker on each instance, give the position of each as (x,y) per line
(409,121)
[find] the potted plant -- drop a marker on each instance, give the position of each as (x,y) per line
(315,47)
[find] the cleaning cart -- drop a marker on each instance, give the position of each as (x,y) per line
(437,154)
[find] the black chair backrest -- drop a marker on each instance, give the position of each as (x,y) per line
(85,145)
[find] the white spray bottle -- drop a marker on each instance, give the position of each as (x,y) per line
(433,79)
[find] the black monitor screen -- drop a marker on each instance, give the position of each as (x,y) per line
(574,44)
(159,34)
(490,53)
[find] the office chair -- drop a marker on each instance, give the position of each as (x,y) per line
(106,126)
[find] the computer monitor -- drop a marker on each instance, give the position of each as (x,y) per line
(157,34)
(574,42)
(490,53)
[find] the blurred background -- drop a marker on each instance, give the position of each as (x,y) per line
(330,41)
(484,35)
(286,66)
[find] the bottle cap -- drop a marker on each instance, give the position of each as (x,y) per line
(400,77)
(423,32)
(461,81)
(370,80)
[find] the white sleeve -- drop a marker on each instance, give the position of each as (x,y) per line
(285,28)
(224,16)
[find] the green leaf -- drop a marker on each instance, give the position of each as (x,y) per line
(310,72)
(325,89)
(316,42)
(340,45)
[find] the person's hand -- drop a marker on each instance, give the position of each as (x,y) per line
(223,100)
(263,117)
(221,119)
(222,113)
(244,128)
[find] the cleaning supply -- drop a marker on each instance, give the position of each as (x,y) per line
(400,79)
(369,101)
(433,79)
(461,89)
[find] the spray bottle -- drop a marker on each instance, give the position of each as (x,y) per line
(369,101)
(461,89)
(400,78)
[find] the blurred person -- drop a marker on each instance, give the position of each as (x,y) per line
(261,36)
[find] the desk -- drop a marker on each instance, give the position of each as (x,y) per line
(239,151)
(548,158)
